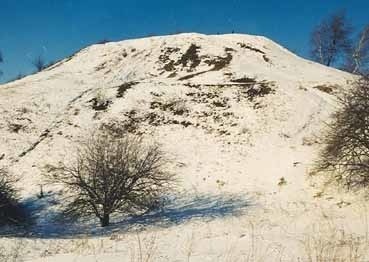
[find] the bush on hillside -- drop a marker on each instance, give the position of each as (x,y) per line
(11,212)
(346,151)
(113,174)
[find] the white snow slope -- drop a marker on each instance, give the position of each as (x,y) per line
(239,115)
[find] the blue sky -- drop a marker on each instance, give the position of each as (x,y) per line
(58,28)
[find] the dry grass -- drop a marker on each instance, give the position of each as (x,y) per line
(328,242)
(13,252)
(144,250)
(334,247)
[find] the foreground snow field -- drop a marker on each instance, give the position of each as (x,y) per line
(239,115)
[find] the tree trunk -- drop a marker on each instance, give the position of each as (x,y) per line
(105,220)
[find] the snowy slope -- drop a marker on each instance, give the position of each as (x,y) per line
(238,114)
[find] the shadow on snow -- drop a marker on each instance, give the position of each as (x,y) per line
(179,210)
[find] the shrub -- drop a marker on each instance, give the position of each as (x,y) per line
(113,174)
(346,144)
(11,212)
(100,101)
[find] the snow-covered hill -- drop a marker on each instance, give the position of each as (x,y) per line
(239,114)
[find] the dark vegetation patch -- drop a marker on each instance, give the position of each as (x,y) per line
(266,59)
(249,47)
(191,60)
(169,106)
(191,57)
(260,89)
(130,124)
(15,127)
(153,118)
(202,97)
(99,105)
(166,52)
(155,94)
(171,75)
(219,62)
(248,87)
(43,136)
(245,79)
(124,87)
(325,88)
(216,119)
(223,102)
(254,49)
(192,85)
(169,65)
(192,75)
(229,49)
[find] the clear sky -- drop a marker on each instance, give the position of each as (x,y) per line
(58,28)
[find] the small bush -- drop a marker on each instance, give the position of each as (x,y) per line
(113,174)
(11,212)
(100,101)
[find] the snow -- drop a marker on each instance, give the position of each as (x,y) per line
(235,149)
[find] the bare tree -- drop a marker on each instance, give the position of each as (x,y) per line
(11,211)
(358,56)
(346,152)
(39,63)
(330,39)
(113,175)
